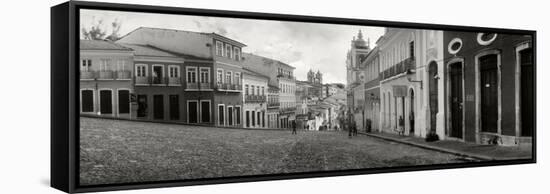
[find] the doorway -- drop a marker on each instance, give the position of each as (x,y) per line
(488,71)
(411,113)
(192,111)
(106,101)
(158,107)
(456,101)
(527,92)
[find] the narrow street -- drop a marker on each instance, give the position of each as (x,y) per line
(129,151)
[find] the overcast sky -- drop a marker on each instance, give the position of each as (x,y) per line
(303,45)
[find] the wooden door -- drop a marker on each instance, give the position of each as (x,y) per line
(230,116)
(527,92)
(489,93)
(87,101)
(142,106)
(158,107)
(174,107)
(106,101)
(456,99)
(123,101)
(192,109)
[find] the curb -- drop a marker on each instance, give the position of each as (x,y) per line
(434,148)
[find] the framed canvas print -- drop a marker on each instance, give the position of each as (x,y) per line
(149,96)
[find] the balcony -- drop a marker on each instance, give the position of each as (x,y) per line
(106,75)
(401,67)
(205,86)
(255,99)
(288,109)
(225,87)
(158,80)
(273,104)
(142,80)
(285,76)
(174,81)
(87,75)
(123,75)
(191,86)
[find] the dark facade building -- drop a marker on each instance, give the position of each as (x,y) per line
(489,87)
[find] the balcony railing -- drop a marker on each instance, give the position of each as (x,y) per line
(205,86)
(401,67)
(123,75)
(285,76)
(273,104)
(225,87)
(87,75)
(106,75)
(288,109)
(174,81)
(255,99)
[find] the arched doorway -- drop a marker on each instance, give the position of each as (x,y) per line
(411,114)
(433,92)
(456,99)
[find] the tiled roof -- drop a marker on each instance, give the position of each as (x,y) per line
(146,50)
(101,45)
(250,72)
(265,59)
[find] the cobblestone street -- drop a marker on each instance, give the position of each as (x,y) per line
(129,151)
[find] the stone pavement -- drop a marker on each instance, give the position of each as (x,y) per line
(477,151)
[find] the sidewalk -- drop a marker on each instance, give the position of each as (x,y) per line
(477,151)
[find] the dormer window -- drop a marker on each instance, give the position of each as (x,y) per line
(219,48)
(237,53)
(228,51)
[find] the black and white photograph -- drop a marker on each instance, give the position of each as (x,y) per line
(172,97)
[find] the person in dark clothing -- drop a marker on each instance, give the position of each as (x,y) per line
(401,126)
(354,128)
(294,127)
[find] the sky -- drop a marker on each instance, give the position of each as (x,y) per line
(320,47)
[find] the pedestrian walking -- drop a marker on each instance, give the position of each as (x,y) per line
(354,129)
(294,127)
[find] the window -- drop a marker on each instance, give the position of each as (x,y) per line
(173,71)
(228,79)
(205,75)
(237,53)
(86,65)
(205,111)
(246,89)
(258,90)
(238,78)
(219,79)
(219,48)
(411,49)
(262,91)
(87,101)
(141,70)
(191,74)
(120,65)
(105,65)
(252,89)
(228,51)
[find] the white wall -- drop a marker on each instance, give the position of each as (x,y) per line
(25,164)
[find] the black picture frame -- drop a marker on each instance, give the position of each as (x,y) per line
(65,87)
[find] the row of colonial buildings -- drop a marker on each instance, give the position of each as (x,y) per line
(464,86)
(188,77)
